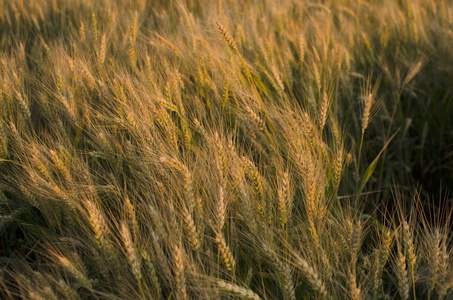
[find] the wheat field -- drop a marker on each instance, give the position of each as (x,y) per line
(230,149)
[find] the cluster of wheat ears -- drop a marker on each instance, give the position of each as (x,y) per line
(194,149)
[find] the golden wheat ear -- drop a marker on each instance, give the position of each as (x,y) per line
(230,41)
(102,50)
(242,292)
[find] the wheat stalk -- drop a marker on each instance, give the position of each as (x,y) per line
(355,291)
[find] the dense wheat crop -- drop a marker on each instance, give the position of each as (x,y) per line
(194,149)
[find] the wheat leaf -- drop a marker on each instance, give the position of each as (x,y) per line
(369,171)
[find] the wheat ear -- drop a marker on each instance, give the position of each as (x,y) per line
(191,229)
(323,111)
(225,251)
(313,277)
(238,290)
(102,50)
(410,252)
(76,272)
(284,197)
(132,256)
(285,277)
(95,29)
(402,276)
(230,41)
(180,277)
(151,270)
(82,33)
